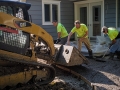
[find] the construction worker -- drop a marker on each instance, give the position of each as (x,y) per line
(62,33)
(114,36)
(82,35)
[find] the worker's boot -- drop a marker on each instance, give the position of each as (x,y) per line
(111,56)
(90,54)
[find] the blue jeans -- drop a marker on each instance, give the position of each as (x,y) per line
(115,47)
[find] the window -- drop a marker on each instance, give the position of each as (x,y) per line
(50,11)
(19,13)
(6,9)
(10,10)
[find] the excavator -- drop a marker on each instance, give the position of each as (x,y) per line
(27,51)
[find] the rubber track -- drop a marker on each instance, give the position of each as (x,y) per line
(79,76)
(33,63)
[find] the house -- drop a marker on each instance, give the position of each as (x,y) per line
(94,13)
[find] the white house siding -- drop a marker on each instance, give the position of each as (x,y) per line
(67,15)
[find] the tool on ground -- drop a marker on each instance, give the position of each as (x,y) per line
(102,59)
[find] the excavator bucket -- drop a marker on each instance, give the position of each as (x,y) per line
(69,56)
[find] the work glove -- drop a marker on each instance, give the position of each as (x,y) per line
(57,41)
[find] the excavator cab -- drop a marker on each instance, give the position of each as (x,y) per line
(12,39)
(15,8)
(18,33)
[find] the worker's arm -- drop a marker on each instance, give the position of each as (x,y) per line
(59,34)
(113,42)
(69,36)
(85,34)
(58,39)
(82,38)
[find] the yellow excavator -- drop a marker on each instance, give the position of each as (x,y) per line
(27,50)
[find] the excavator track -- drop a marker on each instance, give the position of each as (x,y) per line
(77,75)
(34,72)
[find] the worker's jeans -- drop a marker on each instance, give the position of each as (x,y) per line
(115,47)
(86,42)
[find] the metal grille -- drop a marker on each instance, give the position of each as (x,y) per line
(13,39)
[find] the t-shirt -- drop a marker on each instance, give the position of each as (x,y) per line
(80,31)
(62,30)
(112,33)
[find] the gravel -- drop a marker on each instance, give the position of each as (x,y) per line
(105,75)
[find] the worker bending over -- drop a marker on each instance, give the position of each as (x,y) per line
(62,33)
(114,36)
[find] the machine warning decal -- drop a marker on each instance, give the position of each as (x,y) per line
(21,24)
(10,30)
